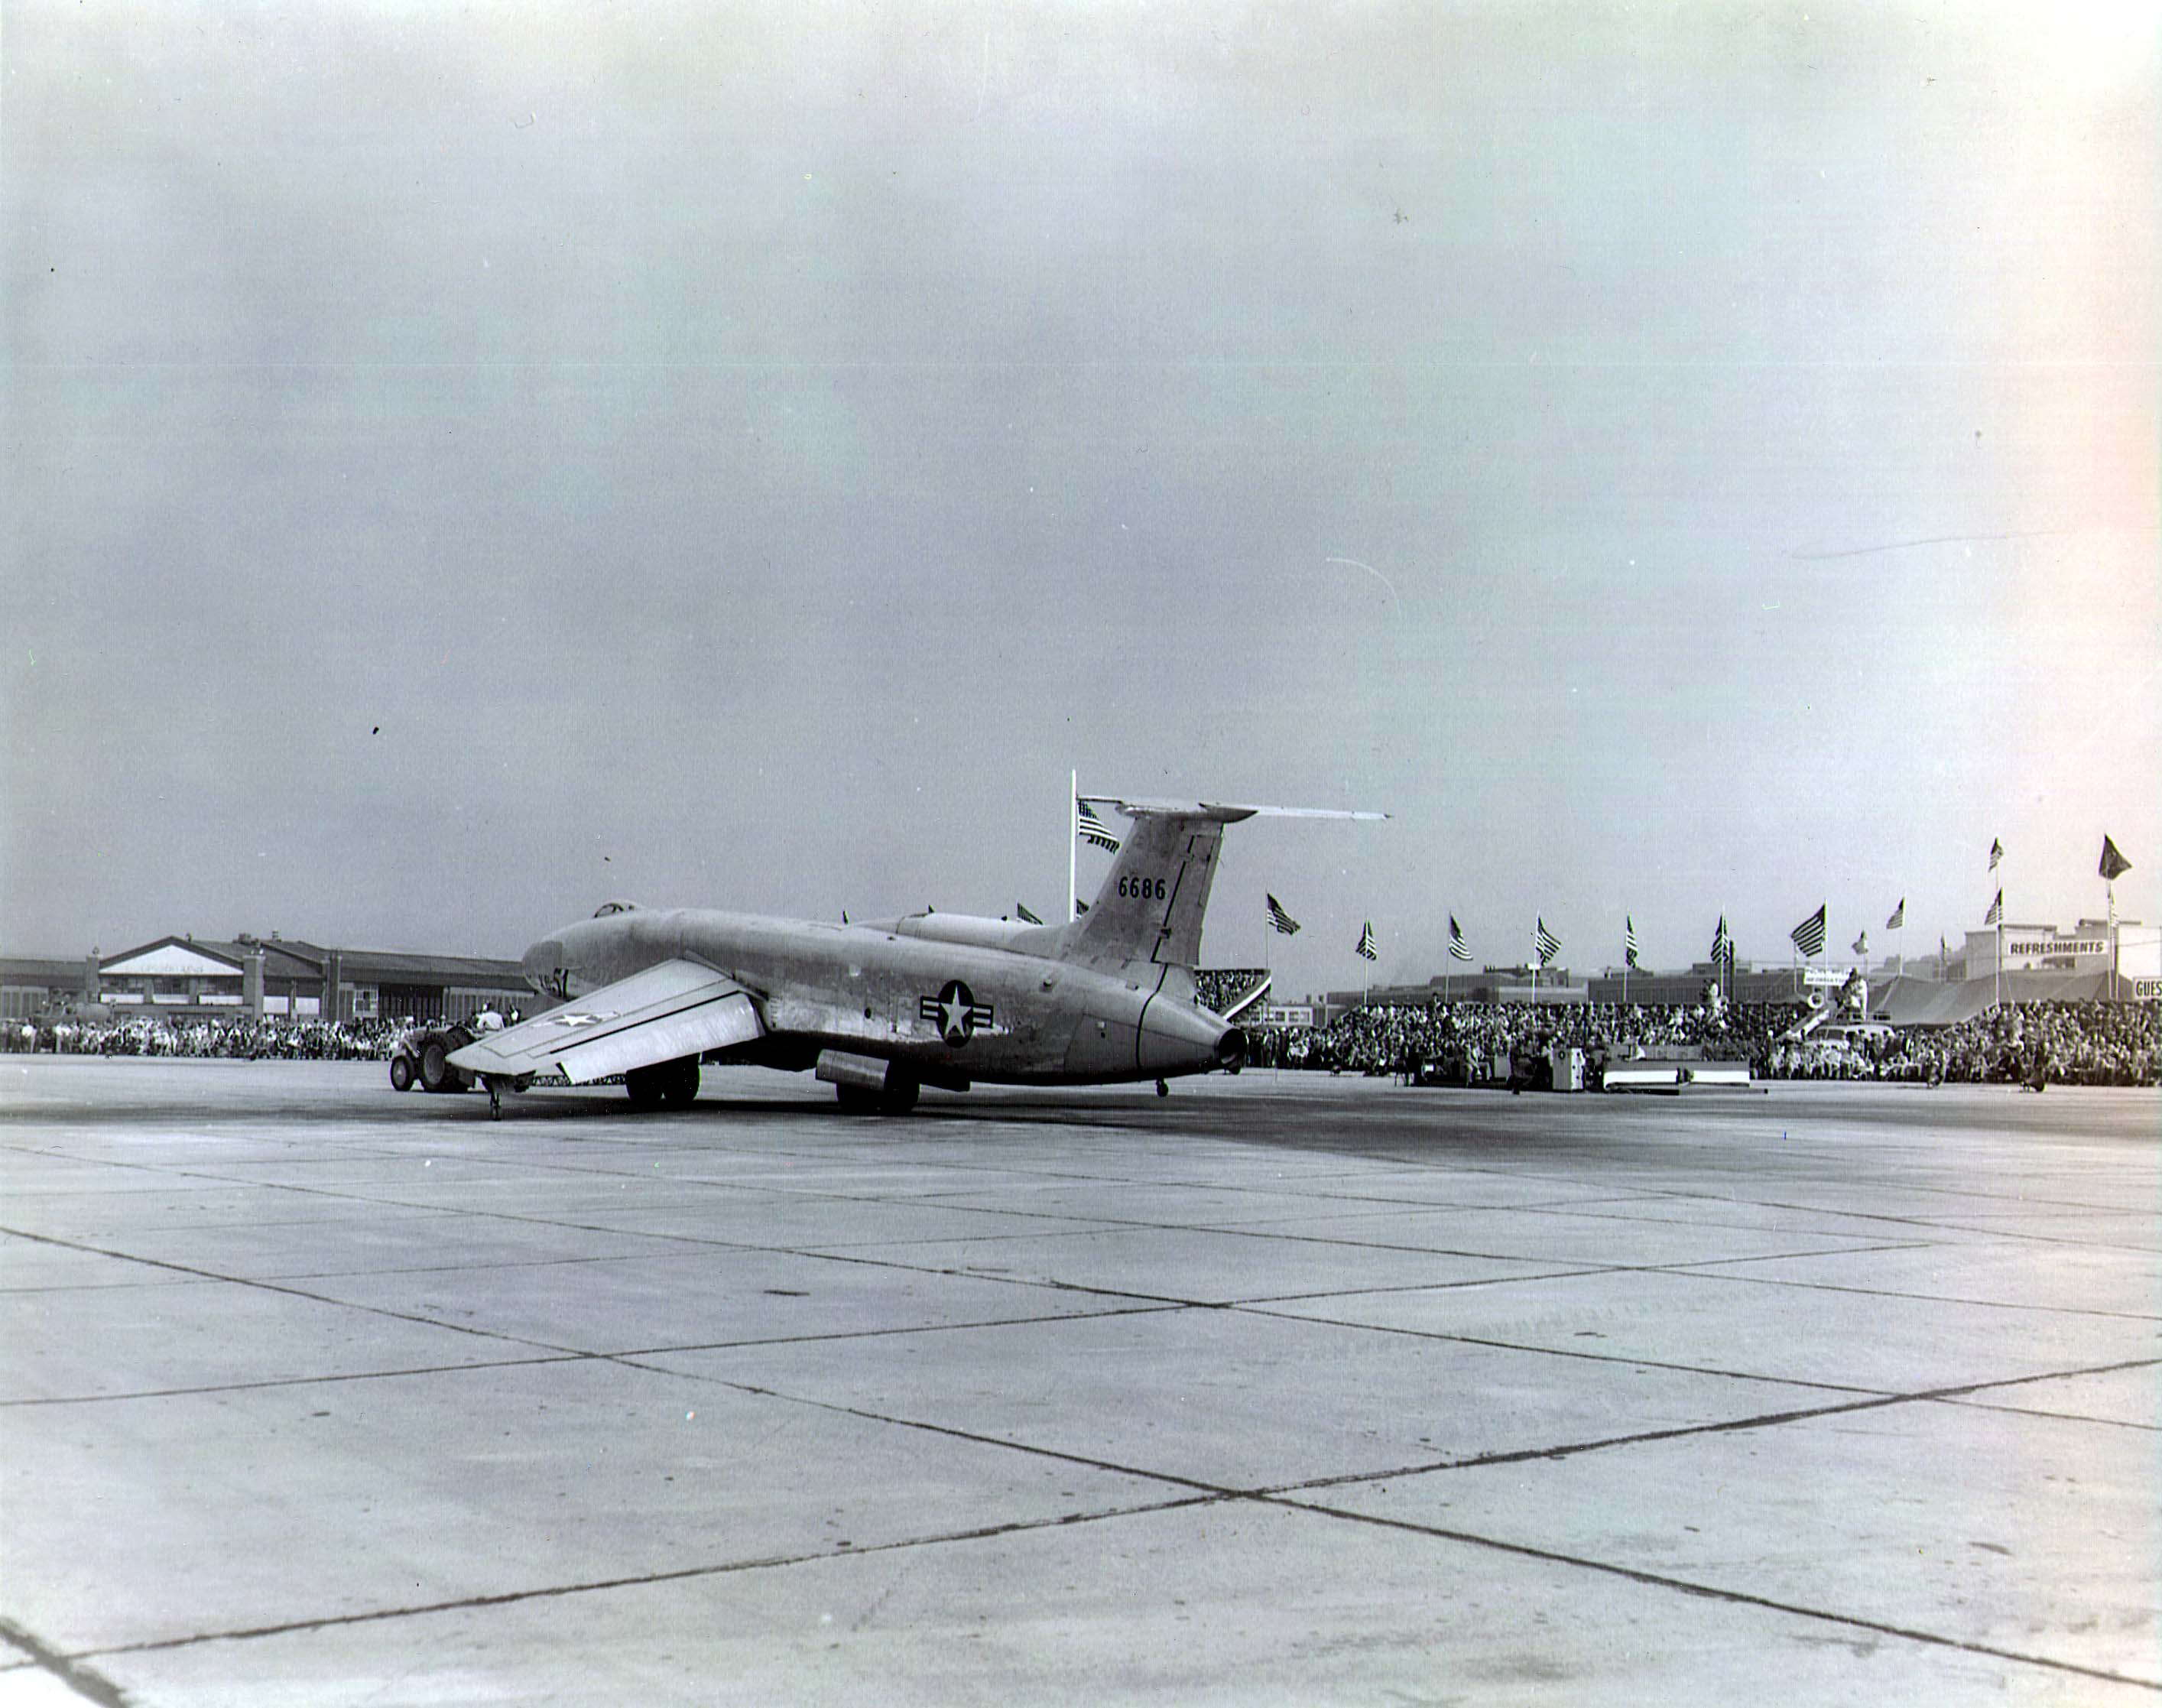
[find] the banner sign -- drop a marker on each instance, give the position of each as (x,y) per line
(2056,946)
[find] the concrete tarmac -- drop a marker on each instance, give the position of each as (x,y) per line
(1280,1390)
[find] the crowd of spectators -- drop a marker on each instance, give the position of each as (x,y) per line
(2089,1044)
(2084,1044)
(2077,1043)
(1221,988)
(243,1040)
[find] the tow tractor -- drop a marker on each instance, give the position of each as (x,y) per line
(421,1057)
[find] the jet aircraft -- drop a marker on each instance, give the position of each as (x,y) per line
(880,1010)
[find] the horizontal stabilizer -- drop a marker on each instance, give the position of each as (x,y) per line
(670,1010)
(1224,813)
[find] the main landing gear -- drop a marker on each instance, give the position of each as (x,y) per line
(1163,1088)
(674,1084)
(497,1084)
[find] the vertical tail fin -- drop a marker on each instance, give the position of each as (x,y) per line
(1148,913)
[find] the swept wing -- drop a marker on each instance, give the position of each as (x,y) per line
(675,1009)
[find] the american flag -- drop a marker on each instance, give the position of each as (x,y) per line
(2114,865)
(1458,948)
(1809,935)
(1021,910)
(1550,945)
(1090,828)
(1898,915)
(1367,949)
(1996,914)
(1280,919)
(1996,852)
(1628,940)
(1722,945)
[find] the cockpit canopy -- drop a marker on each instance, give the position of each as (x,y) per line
(608,908)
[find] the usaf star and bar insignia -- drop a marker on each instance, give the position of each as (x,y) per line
(955,1011)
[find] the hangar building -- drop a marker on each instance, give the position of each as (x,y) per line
(191,977)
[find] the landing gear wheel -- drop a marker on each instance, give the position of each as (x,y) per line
(647,1086)
(1163,1088)
(898,1097)
(401,1072)
(682,1090)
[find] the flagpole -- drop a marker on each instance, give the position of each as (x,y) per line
(2110,885)
(1073,837)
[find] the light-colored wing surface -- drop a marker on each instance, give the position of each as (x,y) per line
(1224,812)
(675,1009)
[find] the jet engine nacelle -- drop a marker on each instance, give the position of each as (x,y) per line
(1130,1033)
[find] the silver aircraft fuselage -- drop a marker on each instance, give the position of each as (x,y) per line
(1001,1008)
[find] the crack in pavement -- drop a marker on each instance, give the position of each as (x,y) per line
(636,1579)
(1716,1592)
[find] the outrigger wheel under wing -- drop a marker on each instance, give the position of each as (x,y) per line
(676,1011)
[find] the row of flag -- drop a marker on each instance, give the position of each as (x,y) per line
(1808,938)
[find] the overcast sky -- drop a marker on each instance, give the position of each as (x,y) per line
(465,464)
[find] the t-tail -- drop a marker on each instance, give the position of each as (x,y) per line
(1148,913)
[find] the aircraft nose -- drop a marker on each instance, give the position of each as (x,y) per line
(543,967)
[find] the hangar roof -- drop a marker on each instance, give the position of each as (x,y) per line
(171,954)
(284,960)
(399,967)
(38,970)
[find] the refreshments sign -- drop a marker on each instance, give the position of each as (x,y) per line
(2027,944)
